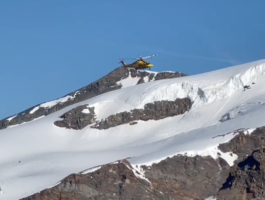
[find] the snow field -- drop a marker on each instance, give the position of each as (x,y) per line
(49,153)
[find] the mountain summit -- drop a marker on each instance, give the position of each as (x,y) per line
(141,135)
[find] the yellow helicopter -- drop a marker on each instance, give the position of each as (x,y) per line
(140,63)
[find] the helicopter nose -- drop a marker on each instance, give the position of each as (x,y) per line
(149,65)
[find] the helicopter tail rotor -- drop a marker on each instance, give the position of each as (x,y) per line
(122,62)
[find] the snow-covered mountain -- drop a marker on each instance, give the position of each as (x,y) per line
(118,78)
(178,137)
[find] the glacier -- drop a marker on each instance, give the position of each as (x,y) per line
(36,155)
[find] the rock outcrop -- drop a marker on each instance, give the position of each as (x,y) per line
(111,181)
(151,111)
(77,118)
(182,177)
(105,84)
(179,178)
(155,76)
(246,180)
(244,143)
(168,75)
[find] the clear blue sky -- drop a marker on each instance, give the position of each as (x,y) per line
(50,48)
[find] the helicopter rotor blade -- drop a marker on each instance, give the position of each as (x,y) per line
(139,57)
(151,56)
(129,59)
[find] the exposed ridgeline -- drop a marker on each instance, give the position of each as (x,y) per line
(151,111)
(81,116)
(117,79)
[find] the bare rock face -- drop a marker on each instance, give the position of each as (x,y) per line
(168,75)
(105,84)
(246,180)
(155,77)
(111,181)
(244,144)
(152,111)
(180,177)
(77,118)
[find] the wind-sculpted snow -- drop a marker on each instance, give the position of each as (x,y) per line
(37,154)
(201,92)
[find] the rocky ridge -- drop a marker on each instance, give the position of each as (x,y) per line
(105,84)
(163,181)
(247,177)
(151,111)
(246,180)
(77,119)
(178,177)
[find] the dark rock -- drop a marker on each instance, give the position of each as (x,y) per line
(105,84)
(182,177)
(246,180)
(152,111)
(244,144)
(111,181)
(169,75)
(155,77)
(76,118)
(151,77)
(246,87)
(133,123)
(179,177)
(4,124)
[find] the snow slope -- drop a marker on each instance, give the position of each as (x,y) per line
(38,154)
(131,81)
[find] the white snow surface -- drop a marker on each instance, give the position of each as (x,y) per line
(50,104)
(210,198)
(37,154)
(91,170)
(128,81)
(132,81)
(10,118)
(86,111)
